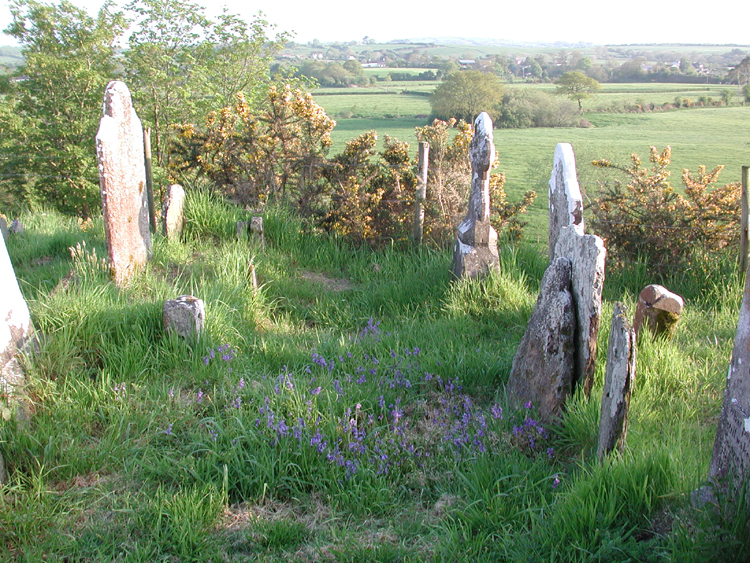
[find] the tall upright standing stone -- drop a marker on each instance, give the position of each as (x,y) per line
(122,180)
(565,201)
(730,462)
(475,251)
(587,253)
(15,333)
(618,384)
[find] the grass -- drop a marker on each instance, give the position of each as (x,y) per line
(349,410)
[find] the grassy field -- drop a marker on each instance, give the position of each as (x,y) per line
(710,136)
(352,409)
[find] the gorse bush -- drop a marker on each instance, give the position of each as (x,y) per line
(642,216)
(363,194)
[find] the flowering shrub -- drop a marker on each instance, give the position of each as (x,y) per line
(645,217)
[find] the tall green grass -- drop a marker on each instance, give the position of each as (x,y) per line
(144,447)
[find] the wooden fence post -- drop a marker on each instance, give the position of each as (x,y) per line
(744,224)
(424,151)
(149,178)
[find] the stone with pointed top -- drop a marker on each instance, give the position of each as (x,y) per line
(122,180)
(475,250)
(619,379)
(565,201)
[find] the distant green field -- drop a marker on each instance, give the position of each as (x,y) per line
(709,136)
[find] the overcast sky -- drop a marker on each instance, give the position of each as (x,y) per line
(589,21)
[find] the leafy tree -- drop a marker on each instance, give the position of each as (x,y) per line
(740,73)
(180,64)
(577,86)
(51,112)
(465,94)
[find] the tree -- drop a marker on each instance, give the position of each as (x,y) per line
(181,64)
(51,110)
(465,94)
(577,86)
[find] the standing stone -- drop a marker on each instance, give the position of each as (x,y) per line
(659,309)
(15,335)
(122,180)
(475,251)
(256,231)
(544,364)
(587,253)
(173,212)
(4,227)
(185,316)
(565,201)
(15,325)
(619,379)
(16,227)
(730,462)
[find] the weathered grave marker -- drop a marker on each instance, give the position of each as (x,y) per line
(544,363)
(730,462)
(256,231)
(475,251)
(185,316)
(565,201)
(122,180)
(587,253)
(173,212)
(619,379)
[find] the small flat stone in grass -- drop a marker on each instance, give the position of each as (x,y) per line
(184,316)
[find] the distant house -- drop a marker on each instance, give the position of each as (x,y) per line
(466,62)
(372,65)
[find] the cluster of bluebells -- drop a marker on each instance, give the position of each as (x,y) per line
(224,352)
(397,433)
(531,436)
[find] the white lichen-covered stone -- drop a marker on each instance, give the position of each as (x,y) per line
(565,201)
(122,180)
(619,379)
(184,316)
(16,333)
(475,250)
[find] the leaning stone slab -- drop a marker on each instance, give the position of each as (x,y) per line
(544,363)
(565,201)
(619,379)
(588,255)
(185,316)
(122,180)
(730,462)
(173,212)
(475,250)
(659,309)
